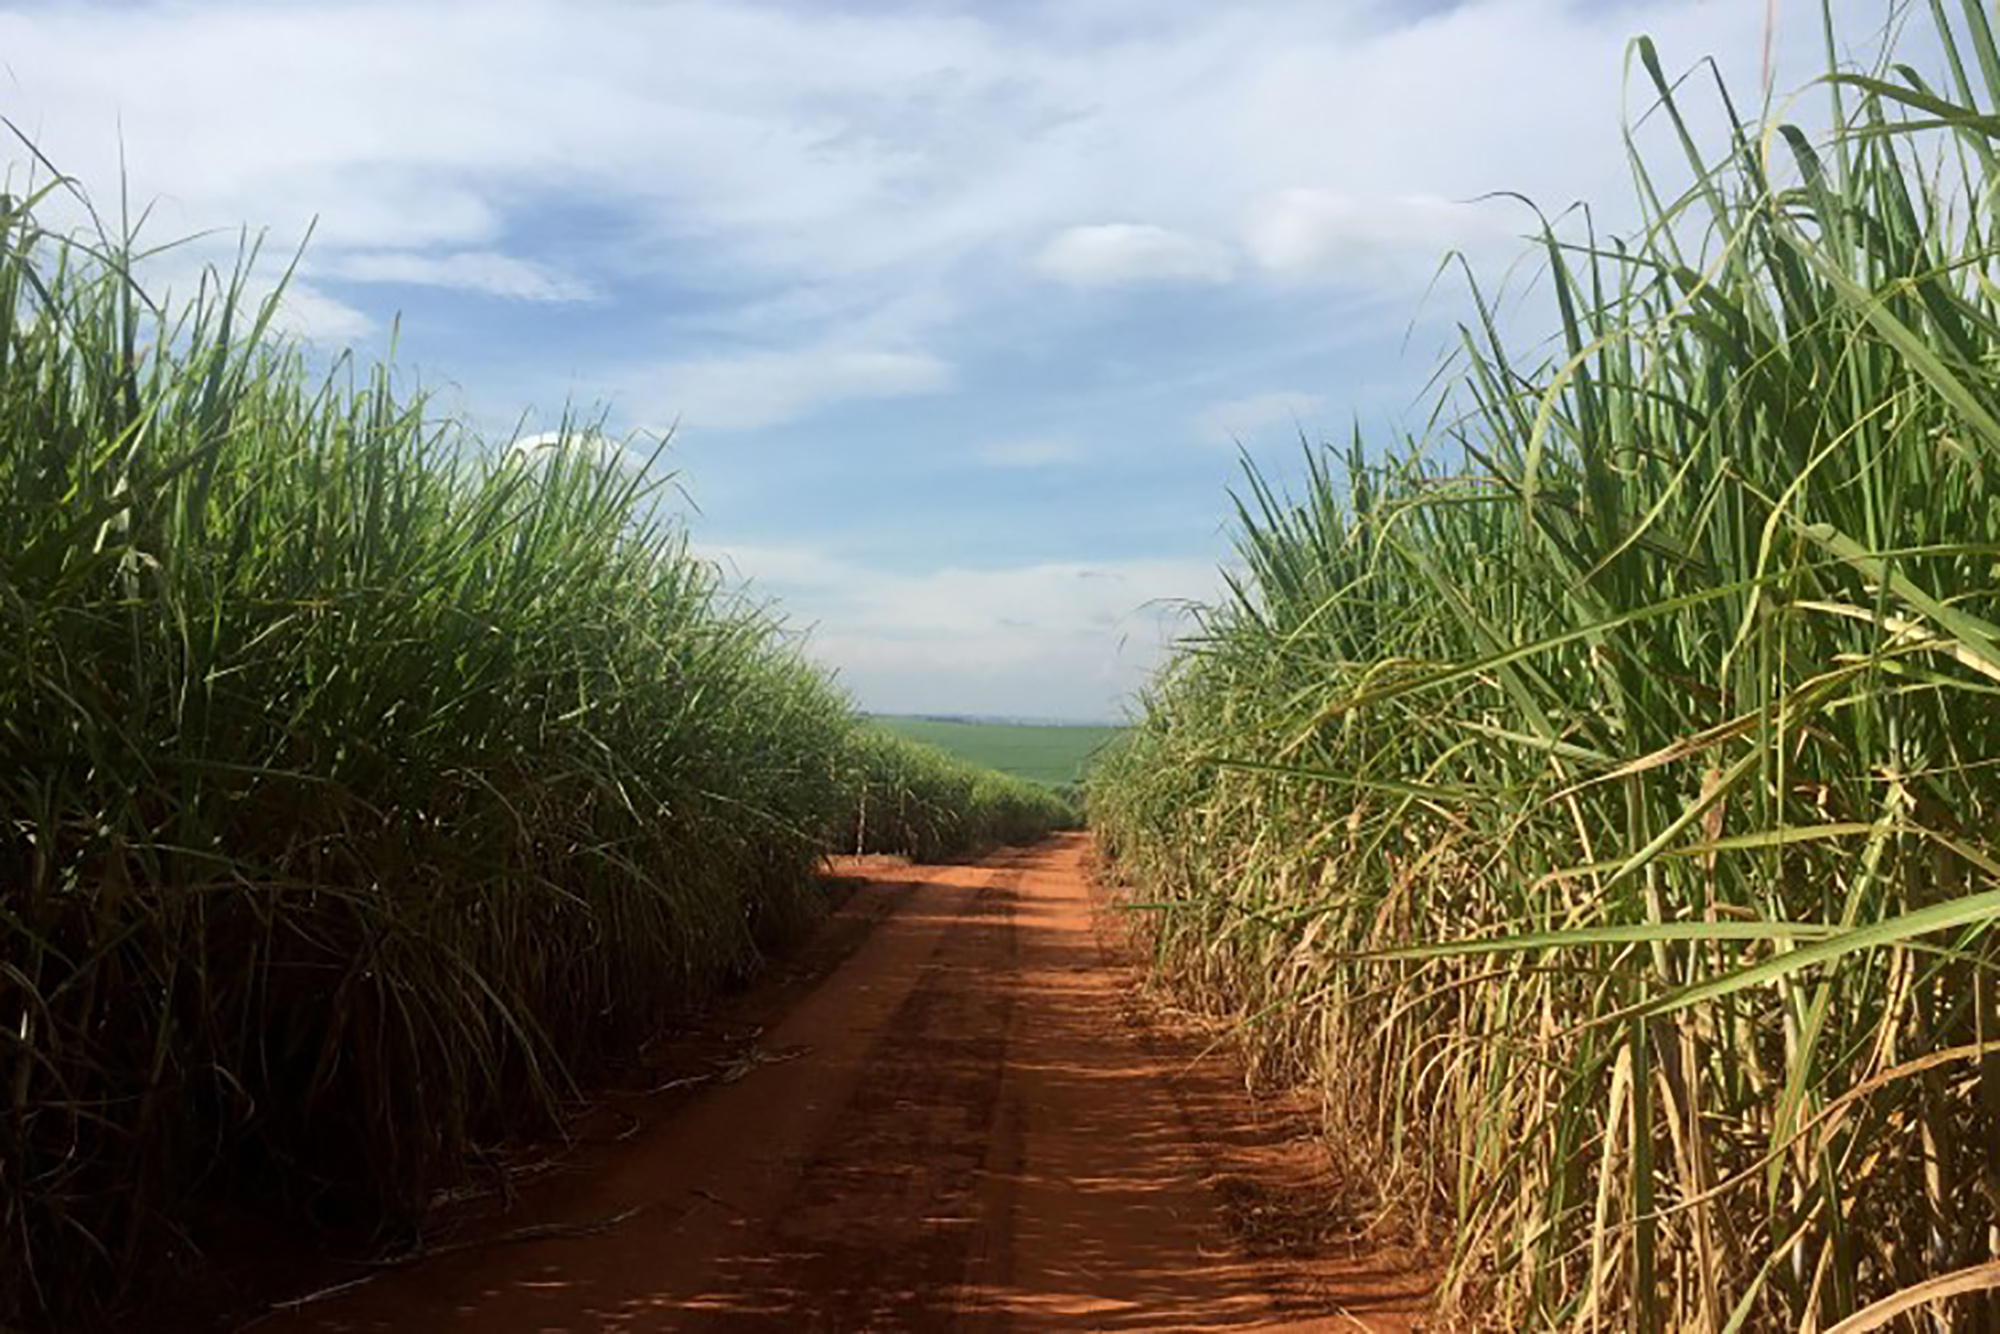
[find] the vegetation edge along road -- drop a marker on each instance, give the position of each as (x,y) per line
(1597,798)
(971,1119)
(365,787)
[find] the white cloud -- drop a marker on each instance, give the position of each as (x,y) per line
(1255,414)
(536,447)
(471,270)
(785,207)
(176,275)
(936,145)
(1119,254)
(1055,639)
(760,389)
(935,140)
(1371,241)
(306,312)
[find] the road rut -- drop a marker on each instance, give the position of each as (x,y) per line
(967,1123)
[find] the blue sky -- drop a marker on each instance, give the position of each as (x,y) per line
(958,311)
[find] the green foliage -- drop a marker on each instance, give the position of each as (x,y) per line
(1053,754)
(360,788)
(916,799)
(1598,798)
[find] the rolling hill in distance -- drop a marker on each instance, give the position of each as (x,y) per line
(1055,753)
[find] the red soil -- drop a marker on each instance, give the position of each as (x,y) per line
(957,1114)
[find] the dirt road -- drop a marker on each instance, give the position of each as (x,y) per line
(963,1120)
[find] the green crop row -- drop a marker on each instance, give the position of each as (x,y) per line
(916,799)
(1599,796)
(360,786)
(1053,754)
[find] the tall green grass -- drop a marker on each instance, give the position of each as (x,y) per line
(914,798)
(1600,795)
(359,786)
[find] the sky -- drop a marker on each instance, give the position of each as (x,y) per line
(958,313)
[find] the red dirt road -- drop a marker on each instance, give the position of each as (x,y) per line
(966,1122)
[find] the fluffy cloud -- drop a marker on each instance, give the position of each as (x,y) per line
(783,208)
(210,265)
(1122,254)
(1055,640)
(933,141)
(1372,241)
(939,148)
(306,312)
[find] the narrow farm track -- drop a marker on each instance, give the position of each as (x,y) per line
(965,1123)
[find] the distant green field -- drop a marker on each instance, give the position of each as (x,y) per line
(1045,753)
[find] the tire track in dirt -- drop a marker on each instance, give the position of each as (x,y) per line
(880,1227)
(965,1124)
